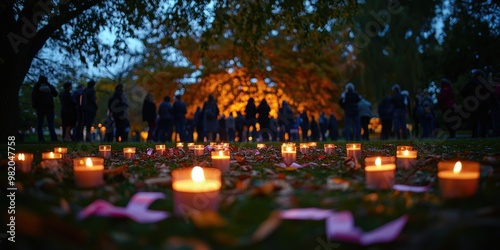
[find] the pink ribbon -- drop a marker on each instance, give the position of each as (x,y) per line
(408,188)
(340,225)
(136,208)
(294,165)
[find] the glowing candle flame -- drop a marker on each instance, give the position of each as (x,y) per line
(59,150)
(457,168)
(51,155)
(378,162)
(21,157)
(88,162)
(221,153)
(197,175)
(406,153)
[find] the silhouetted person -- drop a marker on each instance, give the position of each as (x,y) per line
(43,102)
(447,103)
(479,90)
(315,134)
(165,123)
(222,130)
(349,102)
(385,113)
(89,107)
(399,113)
(263,111)
(323,125)
(240,124)
(77,98)
(333,128)
(198,123)
(231,127)
(427,116)
(304,125)
(211,112)
(180,111)
(118,107)
(68,112)
(149,115)
(365,115)
(286,120)
(251,118)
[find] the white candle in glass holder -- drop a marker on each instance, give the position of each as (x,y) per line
(199,150)
(303,147)
(329,148)
(88,171)
(406,159)
(313,145)
(288,152)
(105,151)
(458,179)
(180,145)
(380,172)
(354,150)
(160,149)
(190,146)
(50,160)
(261,145)
(195,189)
(24,161)
(129,153)
(221,160)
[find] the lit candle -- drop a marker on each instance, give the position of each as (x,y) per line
(288,152)
(199,150)
(261,145)
(304,147)
(379,172)
(24,161)
(160,149)
(50,160)
(180,144)
(406,159)
(105,151)
(354,150)
(195,189)
(225,145)
(329,148)
(190,146)
(312,145)
(62,151)
(88,171)
(458,179)
(221,160)
(129,153)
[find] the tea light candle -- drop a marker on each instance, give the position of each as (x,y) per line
(129,153)
(199,150)
(160,149)
(221,160)
(458,179)
(50,159)
(61,150)
(312,145)
(288,152)
(105,151)
(329,148)
(304,147)
(195,189)
(406,159)
(354,150)
(88,171)
(24,161)
(180,145)
(190,146)
(380,172)
(261,145)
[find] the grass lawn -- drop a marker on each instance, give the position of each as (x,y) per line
(47,203)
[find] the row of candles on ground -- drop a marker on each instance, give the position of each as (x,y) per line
(456,179)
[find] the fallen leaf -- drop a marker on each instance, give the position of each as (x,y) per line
(267,227)
(207,219)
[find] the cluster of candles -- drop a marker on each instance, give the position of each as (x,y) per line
(198,188)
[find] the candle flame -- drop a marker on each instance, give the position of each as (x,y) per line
(104,148)
(59,150)
(51,155)
(197,174)
(288,148)
(221,153)
(406,153)
(129,150)
(378,162)
(21,157)
(88,162)
(457,168)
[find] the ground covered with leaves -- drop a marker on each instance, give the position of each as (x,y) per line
(47,203)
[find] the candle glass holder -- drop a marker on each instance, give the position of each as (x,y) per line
(353,150)
(160,149)
(221,160)
(406,159)
(88,171)
(105,151)
(61,150)
(50,160)
(304,147)
(129,153)
(261,145)
(458,179)
(195,189)
(403,148)
(24,162)
(380,172)
(199,150)
(288,152)
(329,148)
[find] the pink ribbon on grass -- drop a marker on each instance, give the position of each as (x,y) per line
(136,209)
(340,225)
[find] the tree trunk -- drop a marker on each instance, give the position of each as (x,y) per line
(9,99)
